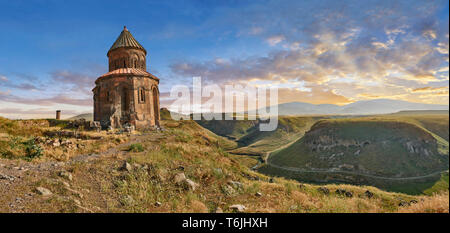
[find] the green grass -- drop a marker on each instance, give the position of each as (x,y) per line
(440,185)
(136,147)
(385,153)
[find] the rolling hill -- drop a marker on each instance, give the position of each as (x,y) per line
(365,107)
(361,150)
(86,116)
(252,141)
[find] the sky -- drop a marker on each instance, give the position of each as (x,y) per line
(334,52)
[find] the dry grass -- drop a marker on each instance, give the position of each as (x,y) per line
(438,203)
(149,186)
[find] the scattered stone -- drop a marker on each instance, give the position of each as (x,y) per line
(219,210)
(238,208)
(228,190)
(190,185)
(158,204)
(129,128)
(126,166)
(43,191)
(236,185)
(250,177)
(271,180)
(137,166)
(324,190)
(56,143)
(65,175)
(413,202)
(344,192)
(368,194)
(258,194)
(179,178)
(7,177)
(301,186)
(403,203)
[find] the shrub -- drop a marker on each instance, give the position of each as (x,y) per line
(136,147)
(32,149)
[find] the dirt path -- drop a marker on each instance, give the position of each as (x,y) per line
(18,176)
(293,169)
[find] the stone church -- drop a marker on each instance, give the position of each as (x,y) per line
(127,94)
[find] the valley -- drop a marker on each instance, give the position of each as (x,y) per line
(403,152)
(55,166)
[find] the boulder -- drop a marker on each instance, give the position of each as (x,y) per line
(368,194)
(324,190)
(237,208)
(403,203)
(344,192)
(65,175)
(7,177)
(190,185)
(126,166)
(413,202)
(179,178)
(43,191)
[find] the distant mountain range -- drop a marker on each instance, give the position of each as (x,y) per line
(364,107)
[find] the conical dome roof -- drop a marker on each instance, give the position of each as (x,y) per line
(126,40)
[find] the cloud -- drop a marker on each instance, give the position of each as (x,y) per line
(51,101)
(3,78)
(430,89)
(37,111)
(274,40)
(353,42)
(76,81)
